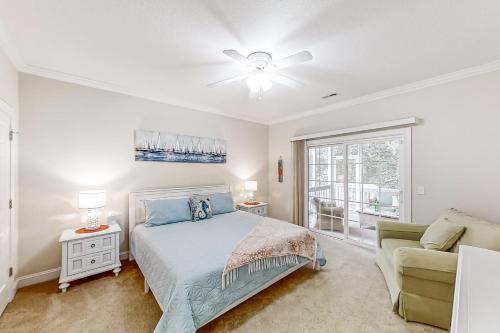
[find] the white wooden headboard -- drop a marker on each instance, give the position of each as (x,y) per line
(136,199)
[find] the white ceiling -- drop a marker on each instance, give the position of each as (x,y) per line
(170,50)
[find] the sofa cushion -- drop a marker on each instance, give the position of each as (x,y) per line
(441,235)
(426,264)
(389,245)
(479,233)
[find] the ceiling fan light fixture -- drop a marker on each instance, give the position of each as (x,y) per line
(260,71)
(259,82)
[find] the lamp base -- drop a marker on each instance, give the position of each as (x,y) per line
(92,227)
(92,220)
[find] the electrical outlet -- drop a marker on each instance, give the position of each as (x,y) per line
(420,190)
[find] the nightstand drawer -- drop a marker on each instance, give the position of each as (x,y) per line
(90,262)
(90,245)
(262,210)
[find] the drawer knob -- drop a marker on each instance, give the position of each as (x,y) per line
(92,245)
(93,260)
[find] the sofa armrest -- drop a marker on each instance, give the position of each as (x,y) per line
(425,264)
(398,230)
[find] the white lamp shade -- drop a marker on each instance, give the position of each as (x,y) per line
(91,199)
(259,81)
(251,185)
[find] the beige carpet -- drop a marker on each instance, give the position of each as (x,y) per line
(348,295)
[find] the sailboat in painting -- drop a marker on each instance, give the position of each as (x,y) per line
(168,147)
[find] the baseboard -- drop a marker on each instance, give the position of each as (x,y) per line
(124,255)
(50,274)
(39,277)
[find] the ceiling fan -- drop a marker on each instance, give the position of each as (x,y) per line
(260,71)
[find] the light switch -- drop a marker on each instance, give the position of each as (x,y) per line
(420,190)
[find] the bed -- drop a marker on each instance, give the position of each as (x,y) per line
(182,262)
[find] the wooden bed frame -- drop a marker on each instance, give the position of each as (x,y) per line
(137,216)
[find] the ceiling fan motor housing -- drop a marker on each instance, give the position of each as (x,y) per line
(260,59)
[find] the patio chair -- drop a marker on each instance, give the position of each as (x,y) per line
(329,217)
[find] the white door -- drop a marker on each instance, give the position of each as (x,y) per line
(5,237)
(376,185)
(355,181)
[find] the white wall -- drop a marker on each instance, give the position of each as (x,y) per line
(9,100)
(8,82)
(455,150)
(75,138)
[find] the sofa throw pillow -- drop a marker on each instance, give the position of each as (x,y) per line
(441,235)
(201,208)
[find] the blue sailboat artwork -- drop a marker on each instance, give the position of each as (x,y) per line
(167,147)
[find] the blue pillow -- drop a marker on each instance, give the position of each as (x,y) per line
(165,211)
(201,208)
(222,203)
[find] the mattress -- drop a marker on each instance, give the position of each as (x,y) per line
(183,264)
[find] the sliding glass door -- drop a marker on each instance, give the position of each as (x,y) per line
(326,188)
(355,181)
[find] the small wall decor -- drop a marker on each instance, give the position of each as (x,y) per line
(168,147)
(280,170)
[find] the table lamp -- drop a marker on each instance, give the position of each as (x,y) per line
(92,200)
(251,187)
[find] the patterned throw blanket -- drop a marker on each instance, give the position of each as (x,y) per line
(272,243)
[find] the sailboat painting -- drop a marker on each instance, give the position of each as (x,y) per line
(168,147)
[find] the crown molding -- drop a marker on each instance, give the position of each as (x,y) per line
(437,80)
(8,47)
(103,85)
(12,53)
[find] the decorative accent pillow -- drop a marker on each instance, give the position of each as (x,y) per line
(201,208)
(222,203)
(441,235)
(165,211)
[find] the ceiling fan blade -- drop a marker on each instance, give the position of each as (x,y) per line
(227,81)
(236,56)
(294,59)
(287,81)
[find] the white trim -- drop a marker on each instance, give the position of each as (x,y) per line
(108,86)
(50,274)
(30,279)
(363,128)
(434,81)
(8,289)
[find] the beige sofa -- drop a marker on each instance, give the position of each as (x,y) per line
(421,282)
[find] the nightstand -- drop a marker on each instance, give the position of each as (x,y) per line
(260,209)
(88,254)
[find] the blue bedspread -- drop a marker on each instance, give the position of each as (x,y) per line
(183,264)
